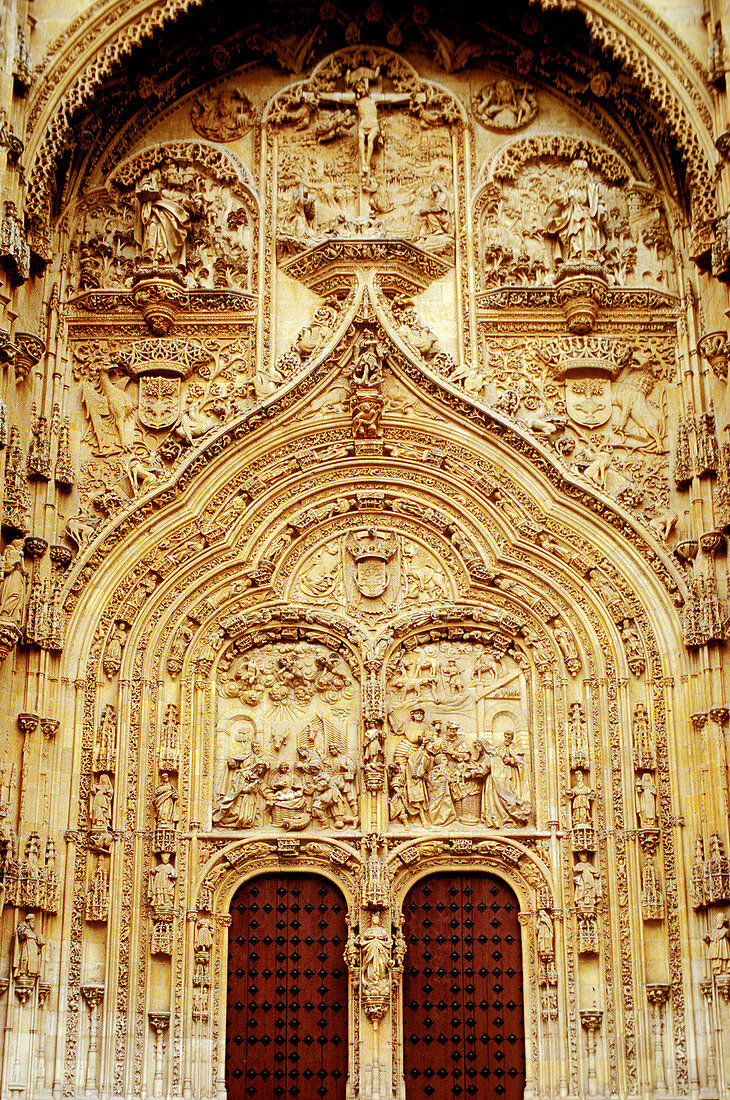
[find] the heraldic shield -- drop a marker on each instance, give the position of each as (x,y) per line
(371,554)
(588,399)
(159,401)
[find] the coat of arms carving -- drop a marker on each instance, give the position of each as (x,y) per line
(159,401)
(371,554)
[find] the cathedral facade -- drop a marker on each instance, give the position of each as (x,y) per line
(365,486)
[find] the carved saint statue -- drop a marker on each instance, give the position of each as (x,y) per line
(27,947)
(577,217)
(100,802)
(718,942)
(166,797)
(376,954)
(163,223)
(162,885)
(581,797)
(646,801)
(587,885)
(12,589)
(545,935)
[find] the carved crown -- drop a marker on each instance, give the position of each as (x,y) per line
(574,354)
(371,545)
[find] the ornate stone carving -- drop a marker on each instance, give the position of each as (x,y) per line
(225,116)
(443,771)
(503,106)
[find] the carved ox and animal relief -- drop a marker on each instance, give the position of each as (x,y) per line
(461,748)
(288,738)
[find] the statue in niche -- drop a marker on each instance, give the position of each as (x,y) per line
(643,749)
(13,587)
(718,942)
(28,945)
(587,885)
(163,223)
(545,935)
(646,801)
(577,217)
(376,954)
(162,885)
(581,796)
(166,803)
(100,802)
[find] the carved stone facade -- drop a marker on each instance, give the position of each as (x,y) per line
(366,485)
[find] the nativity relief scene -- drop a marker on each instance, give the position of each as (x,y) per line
(365,475)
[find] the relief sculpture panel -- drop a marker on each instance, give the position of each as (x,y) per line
(458,723)
(549,211)
(366,148)
(287,740)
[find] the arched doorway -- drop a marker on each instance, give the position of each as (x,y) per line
(286,1033)
(463,1020)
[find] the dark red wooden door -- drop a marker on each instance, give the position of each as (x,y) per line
(463,1017)
(287,990)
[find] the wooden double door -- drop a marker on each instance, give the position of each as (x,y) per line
(463,1024)
(463,1014)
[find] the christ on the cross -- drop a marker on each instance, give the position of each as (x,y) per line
(368,124)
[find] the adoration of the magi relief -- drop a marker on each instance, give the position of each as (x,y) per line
(364,598)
